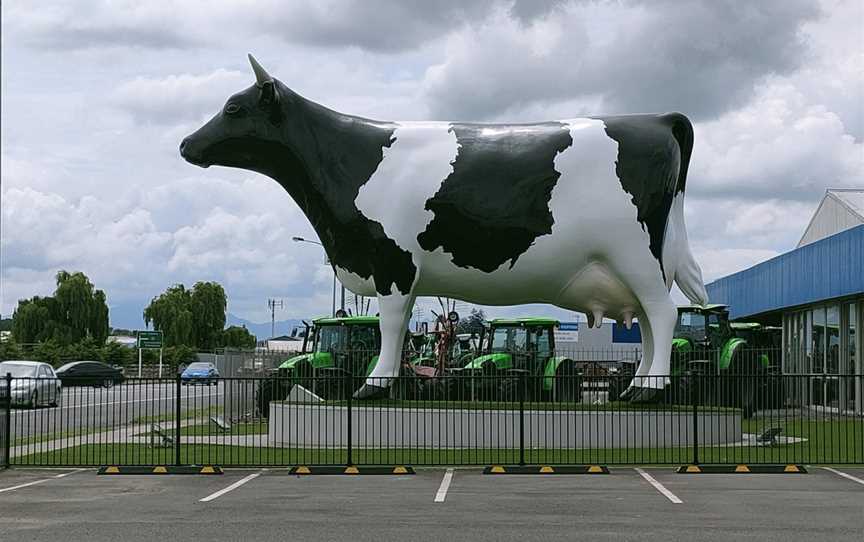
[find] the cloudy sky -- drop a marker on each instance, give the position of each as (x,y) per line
(96,96)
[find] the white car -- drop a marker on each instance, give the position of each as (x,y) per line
(33,383)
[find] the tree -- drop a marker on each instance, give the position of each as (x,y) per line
(171,313)
(193,317)
(238,337)
(75,312)
(473,323)
(209,303)
(31,320)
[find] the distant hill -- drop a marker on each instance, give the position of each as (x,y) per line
(262,330)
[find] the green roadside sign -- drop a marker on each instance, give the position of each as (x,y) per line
(149,339)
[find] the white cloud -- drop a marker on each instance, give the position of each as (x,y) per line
(177,98)
(97,95)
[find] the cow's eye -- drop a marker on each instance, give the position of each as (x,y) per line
(232,109)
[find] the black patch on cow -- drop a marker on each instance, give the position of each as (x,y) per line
(495,203)
(653,157)
(321,158)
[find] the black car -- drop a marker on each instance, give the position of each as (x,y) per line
(89,373)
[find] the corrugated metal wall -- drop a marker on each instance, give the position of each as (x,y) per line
(828,268)
(831,217)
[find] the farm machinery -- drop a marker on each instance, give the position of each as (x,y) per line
(740,355)
(514,351)
(333,349)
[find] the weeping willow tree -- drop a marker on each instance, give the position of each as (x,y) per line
(193,317)
(75,312)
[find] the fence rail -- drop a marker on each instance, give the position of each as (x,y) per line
(455,418)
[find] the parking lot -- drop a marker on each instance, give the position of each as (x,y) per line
(434,504)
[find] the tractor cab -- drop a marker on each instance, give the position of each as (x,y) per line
(511,349)
(521,344)
(703,326)
(349,344)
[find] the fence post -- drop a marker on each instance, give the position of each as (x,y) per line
(7,429)
(177,411)
(694,378)
(522,383)
(349,386)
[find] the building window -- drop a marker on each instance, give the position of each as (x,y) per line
(817,341)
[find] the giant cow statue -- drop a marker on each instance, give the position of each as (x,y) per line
(586,214)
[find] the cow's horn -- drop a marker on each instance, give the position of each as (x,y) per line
(261,75)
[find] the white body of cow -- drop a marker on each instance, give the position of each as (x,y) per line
(596,260)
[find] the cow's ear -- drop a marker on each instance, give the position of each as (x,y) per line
(268,99)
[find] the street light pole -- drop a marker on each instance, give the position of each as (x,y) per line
(333,304)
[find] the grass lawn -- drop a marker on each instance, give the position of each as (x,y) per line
(830,442)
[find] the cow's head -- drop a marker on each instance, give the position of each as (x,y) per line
(249,131)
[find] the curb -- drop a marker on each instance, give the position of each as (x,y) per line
(741,469)
(303,470)
(161,469)
(546,469)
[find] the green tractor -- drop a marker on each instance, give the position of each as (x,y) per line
(332,349)
(738,353)
(516,349)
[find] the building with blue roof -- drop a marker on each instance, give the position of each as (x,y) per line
(816,293)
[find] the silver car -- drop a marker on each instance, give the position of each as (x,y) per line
(33,384)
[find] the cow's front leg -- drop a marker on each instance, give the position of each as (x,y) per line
(395,311)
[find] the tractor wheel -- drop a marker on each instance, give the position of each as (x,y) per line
(508,389)
(486,385)
(446,388)
(740,384)
(678,390)
(408,387)
(304,375)
(330,386)
(271,389)
(567,387)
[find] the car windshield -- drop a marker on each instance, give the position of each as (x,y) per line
(17,370)
(200,366)
(508,339)
(331,338)
(66,367)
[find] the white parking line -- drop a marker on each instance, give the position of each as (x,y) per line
(659,487)
(445,485)
(42,481)
(844,475)
(232,487)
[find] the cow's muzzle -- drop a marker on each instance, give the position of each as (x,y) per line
(188,152)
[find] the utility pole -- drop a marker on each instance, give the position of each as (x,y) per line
(273,304)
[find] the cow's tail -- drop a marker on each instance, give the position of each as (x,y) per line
(680,264)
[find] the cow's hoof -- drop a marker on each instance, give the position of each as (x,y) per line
(368,391)
(645,395)
(628,393)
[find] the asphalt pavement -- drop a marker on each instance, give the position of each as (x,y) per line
(89,408)
(270,504)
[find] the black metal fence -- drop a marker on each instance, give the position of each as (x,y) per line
(5,428)
(460,417)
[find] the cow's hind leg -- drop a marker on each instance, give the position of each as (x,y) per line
(647,357)
(395,311)
(658,311)
(661,315)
